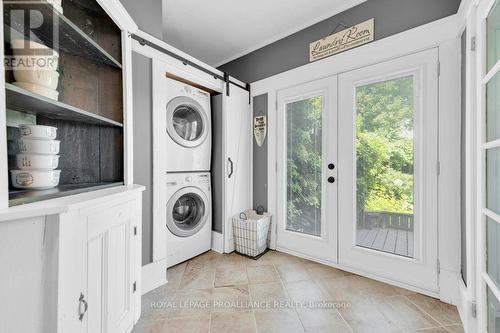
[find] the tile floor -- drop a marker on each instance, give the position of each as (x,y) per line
(281,293)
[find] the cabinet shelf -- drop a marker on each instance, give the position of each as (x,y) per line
(72,39)
(19,99)
(20,197)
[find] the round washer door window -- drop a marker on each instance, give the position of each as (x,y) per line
(187,124)
(187,212)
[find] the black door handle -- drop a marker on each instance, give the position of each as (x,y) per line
(331,180)
(331,166)
(231,172)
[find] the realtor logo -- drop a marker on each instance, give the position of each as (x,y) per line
(33,35)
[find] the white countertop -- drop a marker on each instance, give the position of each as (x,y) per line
(65,204)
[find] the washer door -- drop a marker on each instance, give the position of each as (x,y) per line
(187,211)
(187,123)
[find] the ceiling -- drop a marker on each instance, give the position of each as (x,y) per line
(219,31)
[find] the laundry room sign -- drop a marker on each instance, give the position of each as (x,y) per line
(260,129)
(346,39)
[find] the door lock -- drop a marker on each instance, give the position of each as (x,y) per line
(331,180)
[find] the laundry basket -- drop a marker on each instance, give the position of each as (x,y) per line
(250,231)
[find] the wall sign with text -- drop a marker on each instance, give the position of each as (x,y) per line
(260,129)
(349,38)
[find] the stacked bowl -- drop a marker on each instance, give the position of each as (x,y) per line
(36,67)
(37,158)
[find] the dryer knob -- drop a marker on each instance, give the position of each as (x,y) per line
(189,179)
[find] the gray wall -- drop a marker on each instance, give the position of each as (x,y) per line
(143,155)
(260,158)
(391,17)
(147,14)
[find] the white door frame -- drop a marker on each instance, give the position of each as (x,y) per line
(325,246)
(441,34)
(421,270)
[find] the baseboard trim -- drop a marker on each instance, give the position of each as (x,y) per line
(217,242)
(154,275)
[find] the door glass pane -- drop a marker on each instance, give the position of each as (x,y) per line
(493,250)
(493,108)
(188,122)
(304,160)
(493,313)
(384,162)
(493,35)
(493,180)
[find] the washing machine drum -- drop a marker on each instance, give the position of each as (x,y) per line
(187,123)
(187,212)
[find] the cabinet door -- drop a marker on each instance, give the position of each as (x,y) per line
(110,285)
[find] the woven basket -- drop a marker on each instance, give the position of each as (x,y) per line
(250,232)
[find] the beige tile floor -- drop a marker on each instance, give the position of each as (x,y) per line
(281,293)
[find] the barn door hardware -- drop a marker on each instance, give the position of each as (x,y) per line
(247,87)
(186,62)
(226,79)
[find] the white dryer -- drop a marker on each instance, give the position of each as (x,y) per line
(189,128)
(189,216)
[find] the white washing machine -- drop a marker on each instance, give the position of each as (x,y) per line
(189,216)
(189,127)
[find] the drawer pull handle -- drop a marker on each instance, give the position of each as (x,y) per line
(82,303)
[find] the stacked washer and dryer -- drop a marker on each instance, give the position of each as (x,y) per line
(189,149)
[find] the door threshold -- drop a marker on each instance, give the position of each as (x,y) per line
(431,293)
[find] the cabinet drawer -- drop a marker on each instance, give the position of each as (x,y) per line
(106,218)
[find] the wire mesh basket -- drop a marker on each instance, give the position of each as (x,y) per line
(250,231)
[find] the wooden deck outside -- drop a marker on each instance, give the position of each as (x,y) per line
(397,241)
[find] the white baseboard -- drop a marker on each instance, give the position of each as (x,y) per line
(154,275)
(464,307)
(217,242)
(449,286)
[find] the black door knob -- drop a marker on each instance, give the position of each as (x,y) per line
(331,179)
(331,166)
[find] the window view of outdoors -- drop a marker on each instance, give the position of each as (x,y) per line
(384,149)
(304,165)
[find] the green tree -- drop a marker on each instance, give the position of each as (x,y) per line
(384,146)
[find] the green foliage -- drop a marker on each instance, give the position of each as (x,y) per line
(384,146)
(304,165)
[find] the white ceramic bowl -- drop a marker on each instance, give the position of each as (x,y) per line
(40,132)
(21,46)
(27,55)
(41,90)
(36,161)
(48,78)
(34,146)
(35,179)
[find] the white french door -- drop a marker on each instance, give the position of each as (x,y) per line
(357,170)
(388,161)
(307,136)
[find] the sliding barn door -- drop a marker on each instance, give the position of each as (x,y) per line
(237,141)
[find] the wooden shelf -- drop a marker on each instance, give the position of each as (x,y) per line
(72,39)
(19,99)
(20,197)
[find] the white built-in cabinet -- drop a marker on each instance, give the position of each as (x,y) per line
(71,262)
(99,266)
